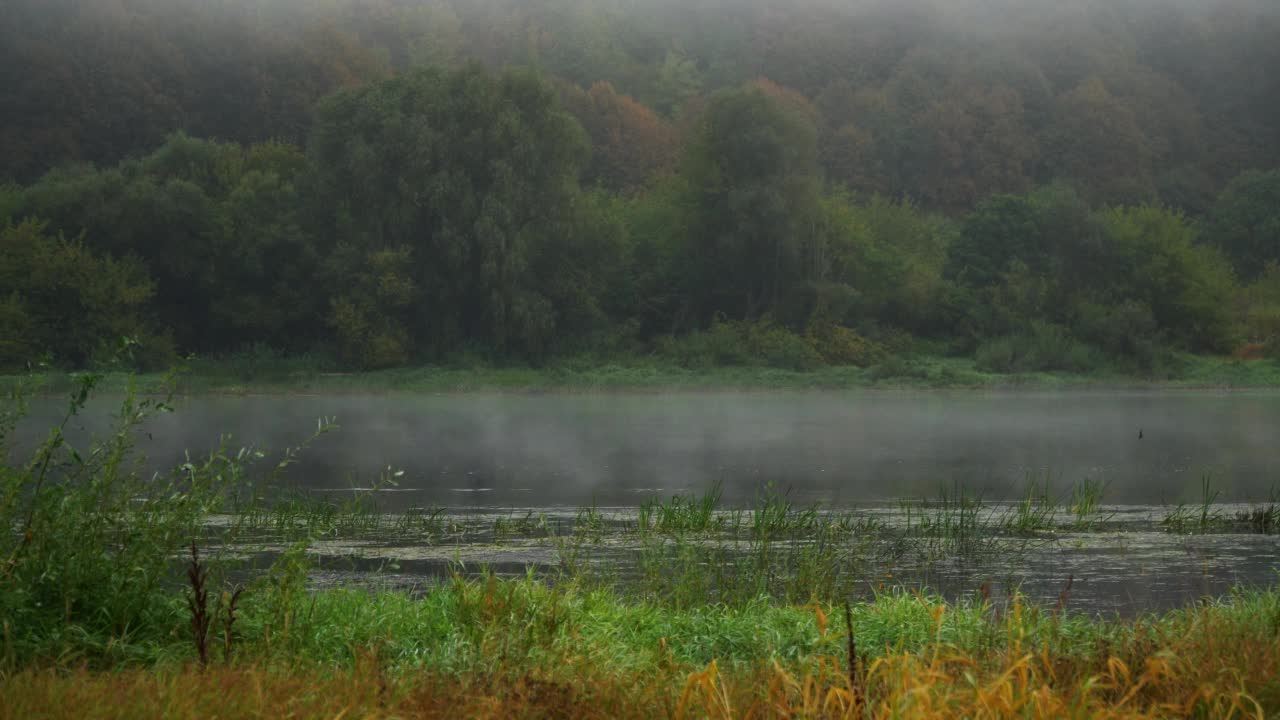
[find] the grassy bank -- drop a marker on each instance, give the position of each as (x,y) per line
(278,375)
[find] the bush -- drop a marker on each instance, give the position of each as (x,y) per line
(839,345)
(259,361)
(91,541)
(898,367)
(778,347)
(724,343)
(732,343)
(1127,333)
(1044,347)
(88,555)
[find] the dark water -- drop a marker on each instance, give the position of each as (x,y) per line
(491,456)
(837,448)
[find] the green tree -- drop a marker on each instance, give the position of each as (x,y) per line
(1259,305)
(1000,230)
(60,300)
(218,226)
(475,173)
(1188,287)
(754,194)
(1245,222)
(371,314)
(899,275)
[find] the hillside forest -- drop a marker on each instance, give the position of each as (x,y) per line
(381,183)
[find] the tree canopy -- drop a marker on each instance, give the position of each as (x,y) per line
(387,182)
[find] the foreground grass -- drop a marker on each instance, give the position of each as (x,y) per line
(282,376)
(520,648)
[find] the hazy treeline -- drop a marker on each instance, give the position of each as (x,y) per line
(1047,187)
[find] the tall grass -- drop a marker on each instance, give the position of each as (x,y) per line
(1036,512)
(518,648)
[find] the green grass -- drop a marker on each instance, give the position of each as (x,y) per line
(518,648)
(465,624)
(645,375)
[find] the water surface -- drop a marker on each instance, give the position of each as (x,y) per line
(485,457)
(835,447)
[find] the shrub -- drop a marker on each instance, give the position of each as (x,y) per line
(1044,347)
(898,367)
(839,345)
(777,347)
(730,343)
(724,343)
(90,549)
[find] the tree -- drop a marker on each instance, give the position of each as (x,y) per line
(1259,305)
(630,143)
(372,312)
(1026,257)
(899,275)
(218,226)
(678,80)
(1188,287)
(1096,139)
(61,300)
(1245,222)
(1001,230)
(752,176)
(476,174)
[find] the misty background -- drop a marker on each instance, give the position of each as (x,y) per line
(834,448)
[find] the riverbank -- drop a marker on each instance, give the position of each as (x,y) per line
(282,376)
(520,648)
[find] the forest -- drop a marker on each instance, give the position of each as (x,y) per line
(383,183)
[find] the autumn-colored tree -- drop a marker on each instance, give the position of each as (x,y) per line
(630,143)
(791,100)
(1096,138)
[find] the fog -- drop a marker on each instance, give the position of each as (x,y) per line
(837,448)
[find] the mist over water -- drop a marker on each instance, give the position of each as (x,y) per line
(528,463)
(840,449)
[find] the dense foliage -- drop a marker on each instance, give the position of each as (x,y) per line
(1049,188)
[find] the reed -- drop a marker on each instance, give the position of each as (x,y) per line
(1264,518)
(1201,518)
(1035,512)
(198,605)
(1086,503)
